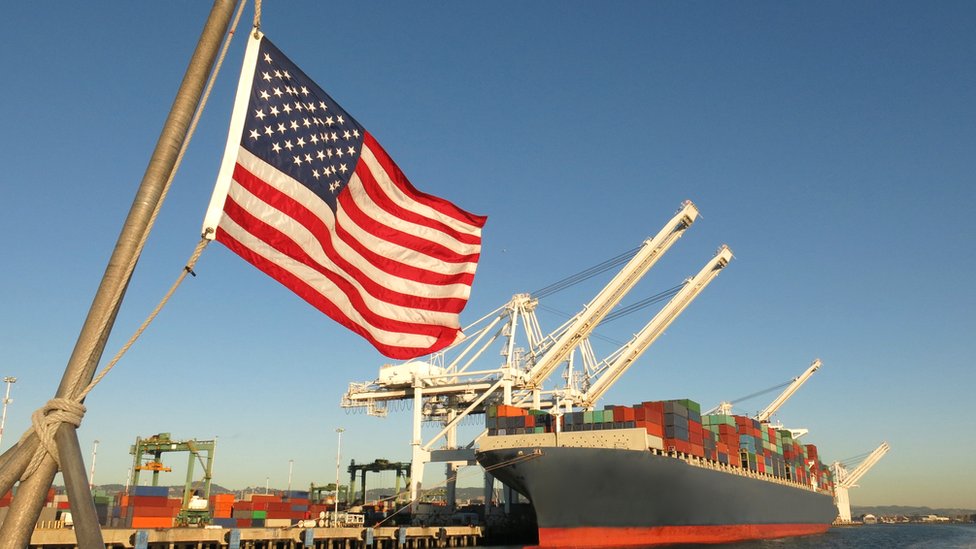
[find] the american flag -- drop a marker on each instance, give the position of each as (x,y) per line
(308,196)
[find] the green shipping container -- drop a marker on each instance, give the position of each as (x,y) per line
(691,405)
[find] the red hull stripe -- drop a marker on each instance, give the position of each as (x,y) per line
(665,535)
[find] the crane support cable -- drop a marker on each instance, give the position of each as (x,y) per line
(644,303)
(586,274)
(764,391)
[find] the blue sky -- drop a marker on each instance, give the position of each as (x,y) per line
(830,145)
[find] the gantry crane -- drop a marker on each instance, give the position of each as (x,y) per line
(614,366)
(158,444)
(768,411)
(777,403)
(449,390)
(844,480)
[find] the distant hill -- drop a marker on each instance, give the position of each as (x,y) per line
(906,510)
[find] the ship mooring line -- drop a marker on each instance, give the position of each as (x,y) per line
(46,420)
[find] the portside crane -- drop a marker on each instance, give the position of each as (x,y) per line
(586,320)
(844,480)
(620,361)
(447,387)
(775,405)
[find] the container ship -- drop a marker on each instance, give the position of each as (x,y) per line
(657,473)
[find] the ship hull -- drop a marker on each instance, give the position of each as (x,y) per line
(605,497)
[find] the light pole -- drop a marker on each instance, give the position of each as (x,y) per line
(291,463)
(91,475)
(6,400)
(335,515)
(267,481)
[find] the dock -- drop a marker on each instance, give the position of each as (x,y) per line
(392,537)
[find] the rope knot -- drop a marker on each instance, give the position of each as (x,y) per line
(45,422)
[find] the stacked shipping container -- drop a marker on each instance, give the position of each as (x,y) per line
(271,510)
(148,507)
(678,426)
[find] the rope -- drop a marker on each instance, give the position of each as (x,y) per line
(46,420)
(257,18)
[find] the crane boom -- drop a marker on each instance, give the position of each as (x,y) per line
(850,480)
(591,315)
(653,329)
(788,392)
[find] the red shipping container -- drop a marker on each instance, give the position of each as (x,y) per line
(151,512)
(148,501)
(655,429)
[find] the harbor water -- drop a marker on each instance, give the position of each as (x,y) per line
(877,536)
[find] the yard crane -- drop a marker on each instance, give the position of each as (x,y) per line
(845,480)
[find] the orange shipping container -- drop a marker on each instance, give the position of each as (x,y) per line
(152,522)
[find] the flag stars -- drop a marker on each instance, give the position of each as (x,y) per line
(351,151)
(268,130)
(276,147)
(288,76)
(339,153)
(288,144)
(300,142)
(286,108)
(266,76)
(334,186)
(320,154)
(334,137)
(267,58)
(329,121)
(355,134)
(305,91)
(277,74)
(340,119)
(298,106)
(298,160)
(343,168)
(323,106)
(307,123)
(281,128)
(255,134)
(294,125)
(315,174)
(259,114)
(274,110)
(265,95)
(277,92)
(346,135)
(308,158)
(314,139)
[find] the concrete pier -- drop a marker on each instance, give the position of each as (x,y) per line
(392,537)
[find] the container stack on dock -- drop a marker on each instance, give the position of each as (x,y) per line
(678,426)
(222,509)
(148,507)
(271,510)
